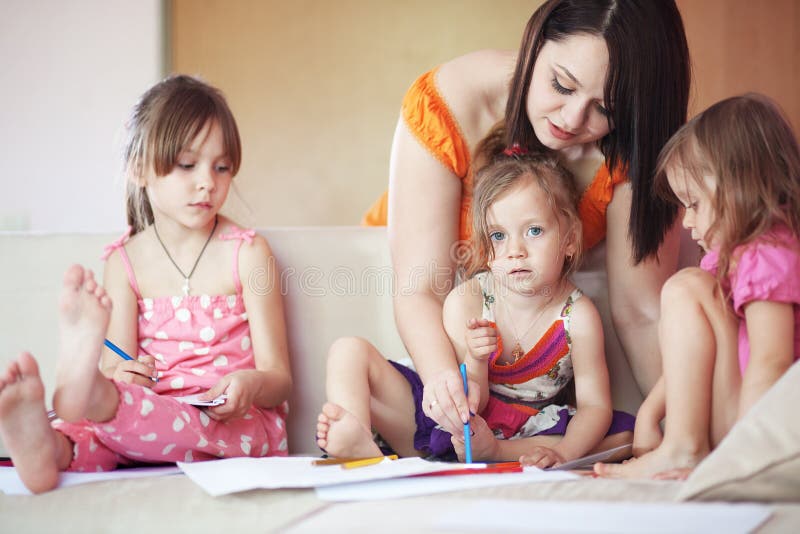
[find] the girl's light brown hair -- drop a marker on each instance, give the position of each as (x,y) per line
(166,120)
(747,145)
(508,172)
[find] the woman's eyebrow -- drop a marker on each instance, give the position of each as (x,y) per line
(569,75)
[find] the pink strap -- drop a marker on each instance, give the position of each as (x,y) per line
(239,235)
(119,244)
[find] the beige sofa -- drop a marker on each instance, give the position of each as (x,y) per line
(337,282)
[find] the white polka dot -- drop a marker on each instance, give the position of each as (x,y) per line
(176,383)
(148,304)
(221,443)
(146,341)
(185,345)
(282,445)
(148,315)
(245,447)
(148,391)
(243,316)
(178,424)
(135,454)
(109,429)
(202,443)
(118,439)
(128,398)
(204,419)
(188,456)
(247,416)
(231,301)
(168,449)
(279,423)
(245,342)
(205,301)
(220,360)
(217,313)
(244,437)
(186,417)
(198,372)
(160,374)
(265,449)
(183,315)
(161,335)
(221,454)
(176,301)
(148,437)
(202,351)
(207,334)
(160,357)
(92,445)
(147,407)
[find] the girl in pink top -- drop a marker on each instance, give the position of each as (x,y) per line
(730,328)
(180,307)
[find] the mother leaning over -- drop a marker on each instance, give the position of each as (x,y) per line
(602,82)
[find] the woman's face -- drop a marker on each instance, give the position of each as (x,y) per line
(565,101)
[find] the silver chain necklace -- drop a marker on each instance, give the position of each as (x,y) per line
(186,277)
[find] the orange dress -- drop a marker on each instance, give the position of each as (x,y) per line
(429,119)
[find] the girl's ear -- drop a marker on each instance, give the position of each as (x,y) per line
(571,243)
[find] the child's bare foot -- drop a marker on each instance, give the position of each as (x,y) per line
(650,465)
(84,311)
(24,427)
(340,434)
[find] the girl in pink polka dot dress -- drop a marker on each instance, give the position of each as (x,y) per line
(194,300)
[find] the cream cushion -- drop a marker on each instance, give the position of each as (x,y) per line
(759,460)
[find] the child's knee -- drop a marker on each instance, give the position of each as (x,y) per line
(687,285)
(349,351)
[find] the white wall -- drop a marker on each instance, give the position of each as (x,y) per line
(69,74)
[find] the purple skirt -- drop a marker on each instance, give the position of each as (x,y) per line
(433,441)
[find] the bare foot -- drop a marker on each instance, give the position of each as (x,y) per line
(340,434)
(649,465)
(84,311)
(24,427)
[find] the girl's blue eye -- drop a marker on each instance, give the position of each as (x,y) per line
(497,236)
(535,231)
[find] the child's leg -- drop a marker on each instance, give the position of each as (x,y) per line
(698,340)
(364,390)
(38,452)
(81,390)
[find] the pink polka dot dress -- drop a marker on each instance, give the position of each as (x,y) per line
(196,340)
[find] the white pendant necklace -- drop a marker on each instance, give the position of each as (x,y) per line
(186,287)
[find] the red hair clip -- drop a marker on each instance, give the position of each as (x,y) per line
(515,151)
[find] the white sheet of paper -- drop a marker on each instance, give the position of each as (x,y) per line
(194,400)
(409,487)
(11,484)
(220,477)
(628,517)
(588,461)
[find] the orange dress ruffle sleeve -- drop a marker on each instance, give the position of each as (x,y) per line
(428,118)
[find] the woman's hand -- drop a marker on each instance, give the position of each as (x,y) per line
(484,443)
(141,372)
(241,388)
(481,339)
(443,400)
(542,457)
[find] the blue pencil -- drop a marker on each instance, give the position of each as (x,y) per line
(122,354)
(467,431)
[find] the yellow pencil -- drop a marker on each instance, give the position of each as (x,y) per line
(367,461)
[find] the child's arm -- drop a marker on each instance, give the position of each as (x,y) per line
(471,338)
(647,433)
(270,383)
(770,329)
(123,329)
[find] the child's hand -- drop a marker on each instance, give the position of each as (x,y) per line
(241,387)
(542,457)
(646,436)
(141,372)
(481,339)
(484,444)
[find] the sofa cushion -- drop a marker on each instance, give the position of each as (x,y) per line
(759,460)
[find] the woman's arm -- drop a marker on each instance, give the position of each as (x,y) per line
(424,211)
(634,291)
(770,330)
